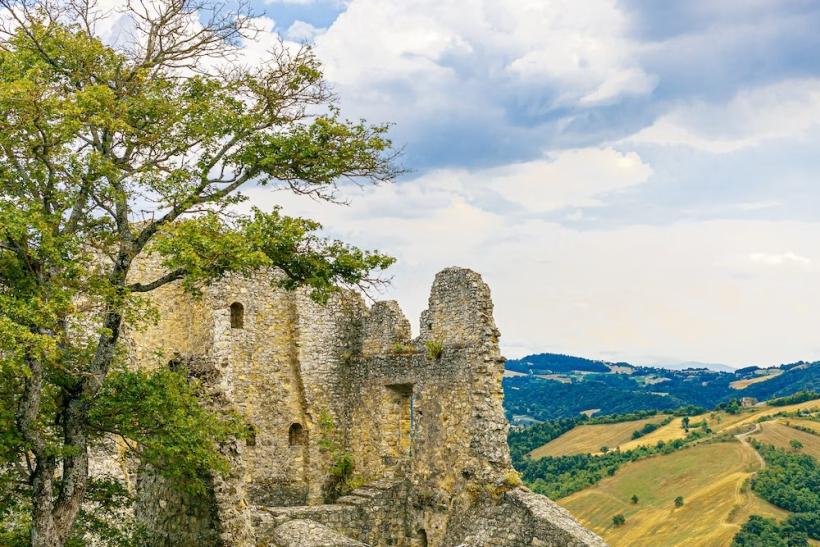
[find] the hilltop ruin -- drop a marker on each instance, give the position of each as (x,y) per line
(359,435)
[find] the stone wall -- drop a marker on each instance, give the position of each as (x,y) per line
(421,420)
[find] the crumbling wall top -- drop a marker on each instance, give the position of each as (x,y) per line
(385,327)
(460,310)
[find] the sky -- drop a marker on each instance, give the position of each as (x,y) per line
(635,180)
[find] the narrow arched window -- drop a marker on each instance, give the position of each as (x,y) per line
(297,436)
(237,315)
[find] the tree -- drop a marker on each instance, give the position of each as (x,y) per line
(685,423)
(763,531)
(634,499)
(795,444)
(111,153)
(679,501)
(618,520)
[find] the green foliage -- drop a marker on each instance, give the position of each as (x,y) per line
(799,397)
(107,155)
(162,416)
(104,518)
(618,520)
(732,406)
(795,444)
(560,476)
(522,441)
(207,247)
(342,478)
(650,427)
(634,499)
(791,481)
(616,393)
(759,532)
(400,348)
(679,501)
(434,348)
(552,363)
(807,523)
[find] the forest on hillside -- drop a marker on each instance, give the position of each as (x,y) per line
(554,386)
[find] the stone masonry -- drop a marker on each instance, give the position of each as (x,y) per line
(358,434)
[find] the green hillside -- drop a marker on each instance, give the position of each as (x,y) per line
(750,473)
(549,386)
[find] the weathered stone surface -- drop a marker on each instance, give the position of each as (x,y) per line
(421,420)
(308,533)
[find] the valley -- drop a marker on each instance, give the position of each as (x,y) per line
(634,465)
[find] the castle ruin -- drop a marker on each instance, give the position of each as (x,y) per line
(358,434)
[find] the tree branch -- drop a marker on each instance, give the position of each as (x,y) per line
(157,283)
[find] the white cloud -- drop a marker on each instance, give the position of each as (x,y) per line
(299,31)
(779,259)
(440,55)
(708,291)
(573,178)
(752,117)
(695,291)
(757,205)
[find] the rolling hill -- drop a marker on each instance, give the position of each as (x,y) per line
(548,386)
(711,466)
(709,477)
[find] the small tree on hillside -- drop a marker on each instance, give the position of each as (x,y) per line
(679,501)
(618,520)
(634,499)
(108,154)
(795,444)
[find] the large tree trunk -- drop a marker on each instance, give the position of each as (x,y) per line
(43,531)
(53,517)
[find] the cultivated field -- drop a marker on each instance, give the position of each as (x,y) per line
(809,424)
(588,439)
(718,422)
(671,431)
(710,477)
(781,435)
(741,384)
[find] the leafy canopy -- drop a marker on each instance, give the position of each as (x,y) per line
(111,154)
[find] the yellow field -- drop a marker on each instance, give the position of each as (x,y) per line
(671,431)
(718,422)
(710,477)
(770,410)
(588,439)
(815,426)
(742,384)
(781,435)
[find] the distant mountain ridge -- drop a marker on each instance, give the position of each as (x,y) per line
(548,386)
(683,365)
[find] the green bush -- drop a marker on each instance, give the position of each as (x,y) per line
(434,348)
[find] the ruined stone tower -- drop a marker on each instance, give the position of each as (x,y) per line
(339,400)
